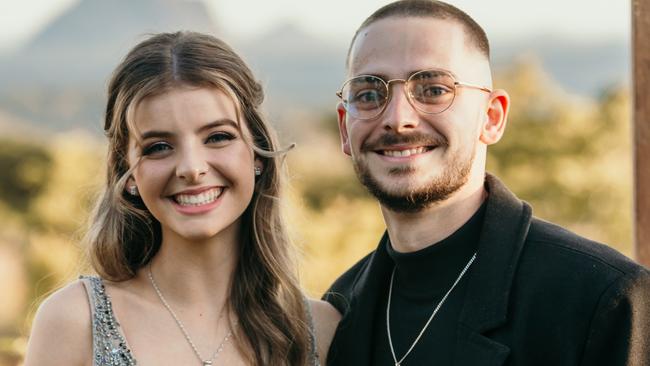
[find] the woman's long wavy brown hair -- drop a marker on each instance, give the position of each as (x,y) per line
(123,236)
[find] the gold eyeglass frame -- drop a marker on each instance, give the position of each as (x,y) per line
(409,97)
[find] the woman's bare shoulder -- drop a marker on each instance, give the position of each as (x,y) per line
(61,333)
(326,319)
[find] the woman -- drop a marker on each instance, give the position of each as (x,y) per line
(187,240)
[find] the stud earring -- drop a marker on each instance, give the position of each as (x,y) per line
(257,170)
(133,191)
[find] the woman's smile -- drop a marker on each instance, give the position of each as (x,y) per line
(197,203)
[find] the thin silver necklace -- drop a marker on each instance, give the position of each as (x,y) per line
(435,311)
(204,362)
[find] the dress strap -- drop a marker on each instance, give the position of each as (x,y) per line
(313,356)
(109,346)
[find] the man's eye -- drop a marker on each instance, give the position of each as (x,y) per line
(219,137)
(368,96)
(156,148)
(432,93)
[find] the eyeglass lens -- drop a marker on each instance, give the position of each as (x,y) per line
(430,91)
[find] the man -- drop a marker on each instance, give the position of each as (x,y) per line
(464,275)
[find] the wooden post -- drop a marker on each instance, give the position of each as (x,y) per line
(641,113)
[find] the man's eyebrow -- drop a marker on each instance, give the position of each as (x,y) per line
(379,75)
(166,134)
(433,69)
(408,75)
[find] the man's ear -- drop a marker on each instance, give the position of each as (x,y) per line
(497,117)
(343,129)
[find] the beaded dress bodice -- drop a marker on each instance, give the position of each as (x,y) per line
(109,344)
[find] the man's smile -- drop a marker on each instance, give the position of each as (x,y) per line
(404,152)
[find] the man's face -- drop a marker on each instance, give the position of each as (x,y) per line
(406,158)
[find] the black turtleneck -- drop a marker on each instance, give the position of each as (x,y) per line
(421,280)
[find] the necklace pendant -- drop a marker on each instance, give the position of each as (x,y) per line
(207,363)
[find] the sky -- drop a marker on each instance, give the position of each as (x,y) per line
(337,19)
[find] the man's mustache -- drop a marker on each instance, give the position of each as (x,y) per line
(392,139)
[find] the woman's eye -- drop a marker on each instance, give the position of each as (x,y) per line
(219,137)
(156,148)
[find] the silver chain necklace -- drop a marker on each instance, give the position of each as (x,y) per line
(204,362)
(435,311)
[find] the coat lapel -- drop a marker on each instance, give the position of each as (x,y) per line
(504,231)
(474,349)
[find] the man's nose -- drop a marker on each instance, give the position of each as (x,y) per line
(399,114)
(192,165)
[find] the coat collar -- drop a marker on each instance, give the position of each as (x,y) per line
(506,224)
(504,231)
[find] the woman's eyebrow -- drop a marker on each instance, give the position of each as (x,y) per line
(166,134)
(217,123)
(156,133)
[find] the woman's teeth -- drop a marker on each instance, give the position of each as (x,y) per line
(202,198)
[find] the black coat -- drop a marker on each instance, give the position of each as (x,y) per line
(536,295)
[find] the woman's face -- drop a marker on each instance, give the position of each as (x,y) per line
(196,168)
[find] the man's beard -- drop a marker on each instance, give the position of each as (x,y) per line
(454,175)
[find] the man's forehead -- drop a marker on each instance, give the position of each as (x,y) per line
(401,45)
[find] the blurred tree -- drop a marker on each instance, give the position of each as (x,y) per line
(73,182)
(569,157)
(25,167)
(44,200)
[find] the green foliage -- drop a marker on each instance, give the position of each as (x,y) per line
(570,158)
(25,169)
(43,204)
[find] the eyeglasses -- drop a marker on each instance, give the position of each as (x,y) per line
(428,91)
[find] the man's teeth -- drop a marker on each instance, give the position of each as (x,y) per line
(408,152)
(202,198)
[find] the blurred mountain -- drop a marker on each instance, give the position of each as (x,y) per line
(83,45)
(58,79)
(584,67)
(298,70)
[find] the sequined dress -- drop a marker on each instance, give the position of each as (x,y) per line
(109,344)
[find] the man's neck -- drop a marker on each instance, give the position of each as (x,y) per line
(410,232)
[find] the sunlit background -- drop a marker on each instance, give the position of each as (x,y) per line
(567,150)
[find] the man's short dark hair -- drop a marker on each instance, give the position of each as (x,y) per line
(429,9)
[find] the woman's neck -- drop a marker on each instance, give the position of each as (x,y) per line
(195,271)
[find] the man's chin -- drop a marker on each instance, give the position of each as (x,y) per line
(399,198)
(397,191)
(406,196)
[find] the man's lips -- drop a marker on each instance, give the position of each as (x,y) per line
(404,151)
(395,145)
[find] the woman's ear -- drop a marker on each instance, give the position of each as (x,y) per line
(497,117)
(258,167)
(131,187)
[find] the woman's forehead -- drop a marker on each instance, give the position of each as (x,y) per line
(186,107)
